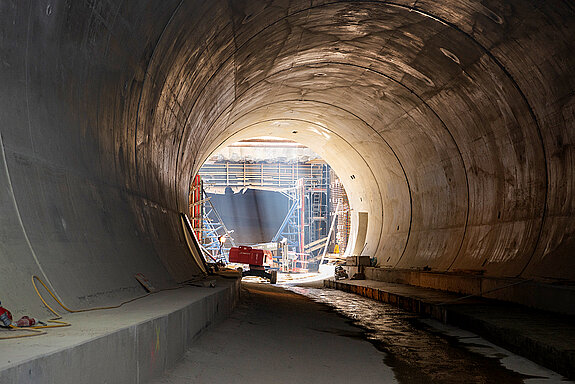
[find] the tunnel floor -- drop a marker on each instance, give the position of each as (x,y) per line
(304,334)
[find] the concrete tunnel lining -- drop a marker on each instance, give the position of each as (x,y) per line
(463,113)
(358,179)
(293,75)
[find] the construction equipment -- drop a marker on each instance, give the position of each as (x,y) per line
(26,321)
(340,273)
(256,259)
(5,316)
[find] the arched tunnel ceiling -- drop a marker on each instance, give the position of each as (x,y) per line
(457,117)
(456,124)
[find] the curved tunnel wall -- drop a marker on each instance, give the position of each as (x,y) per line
(457,117)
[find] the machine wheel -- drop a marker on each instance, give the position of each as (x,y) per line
(274,278)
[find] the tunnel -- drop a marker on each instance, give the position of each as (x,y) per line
(450,124)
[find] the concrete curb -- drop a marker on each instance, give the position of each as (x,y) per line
(533,294)
(408,303)
(131,354)
(474,315)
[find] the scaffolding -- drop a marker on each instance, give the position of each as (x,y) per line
(306,224)
(215,233)
(196,207)
(317,210)
(210,230)
(275,176)
(338,197)
(312,189)
(289,230)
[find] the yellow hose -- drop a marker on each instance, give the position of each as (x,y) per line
(34,332)
(57,322)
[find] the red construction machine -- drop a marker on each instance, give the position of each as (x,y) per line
(258,260)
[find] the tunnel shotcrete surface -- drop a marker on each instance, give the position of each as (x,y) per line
(450,123)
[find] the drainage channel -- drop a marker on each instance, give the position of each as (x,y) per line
(423,350)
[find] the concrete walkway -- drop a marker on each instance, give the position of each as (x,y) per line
(546,338)
(276,336)
(127,345)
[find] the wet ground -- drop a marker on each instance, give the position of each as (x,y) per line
(424,350)
(313,335)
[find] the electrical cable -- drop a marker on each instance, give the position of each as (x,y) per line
(58,316)
(57,321)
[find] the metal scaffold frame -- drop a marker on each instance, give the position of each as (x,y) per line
(210,229)
(312,189)
(215,233)
(305,226)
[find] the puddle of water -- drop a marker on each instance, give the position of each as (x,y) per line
(535,373)
(423,350)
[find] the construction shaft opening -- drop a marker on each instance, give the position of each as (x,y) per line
(450,125)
